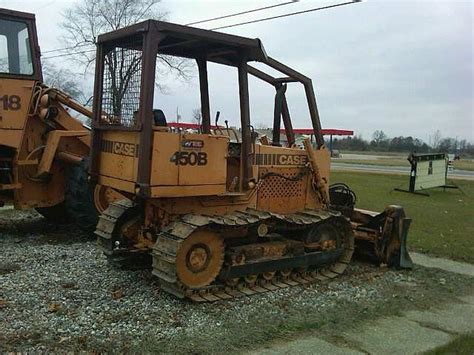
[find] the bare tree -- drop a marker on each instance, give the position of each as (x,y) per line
(447,145)
(197,117)
(378,137)
(64,80)
(84,21)
(436,139)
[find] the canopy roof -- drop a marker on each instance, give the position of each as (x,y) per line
(185,41)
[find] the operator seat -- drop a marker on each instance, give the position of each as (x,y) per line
(159,118)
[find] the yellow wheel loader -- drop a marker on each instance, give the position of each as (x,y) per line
(218,217)
(43,149)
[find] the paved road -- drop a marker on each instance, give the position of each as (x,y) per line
(456,174)
(371,156)
(412,332)
(443,264)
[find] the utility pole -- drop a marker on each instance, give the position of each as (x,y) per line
(178,117)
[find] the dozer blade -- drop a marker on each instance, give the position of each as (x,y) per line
(382,237)
(405,259)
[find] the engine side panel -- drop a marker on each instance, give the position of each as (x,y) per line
(285,180)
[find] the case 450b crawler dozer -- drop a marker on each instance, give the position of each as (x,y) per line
(219,218)
(42,147)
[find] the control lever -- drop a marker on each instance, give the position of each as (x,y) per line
(217,129)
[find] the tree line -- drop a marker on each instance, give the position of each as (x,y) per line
(380,142)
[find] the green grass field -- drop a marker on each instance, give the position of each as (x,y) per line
(396,161)
(443,223)
(374,152)
(380,161)
(464,164)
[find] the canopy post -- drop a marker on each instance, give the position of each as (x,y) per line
(204,89)
(246,155)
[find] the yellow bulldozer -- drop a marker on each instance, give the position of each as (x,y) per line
(219,217)
(43,149)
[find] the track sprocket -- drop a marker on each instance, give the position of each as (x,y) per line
(199,258)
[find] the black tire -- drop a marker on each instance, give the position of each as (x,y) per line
(57,214)
(79,200)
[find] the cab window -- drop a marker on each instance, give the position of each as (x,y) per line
(15,50)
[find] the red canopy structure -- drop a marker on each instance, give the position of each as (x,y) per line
(308,131)
(325,132)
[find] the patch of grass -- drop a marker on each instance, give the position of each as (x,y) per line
(397,161)
(464,164)
(381,161)
(271,323)
(461,345)
(373,152)
(443,223)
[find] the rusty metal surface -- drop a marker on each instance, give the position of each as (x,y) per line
(239,279)
(246,149)
(243,279)
(189,41)
(96,137)
(382,237)
(150,46)
(109,222)
(204,89)
(277,113)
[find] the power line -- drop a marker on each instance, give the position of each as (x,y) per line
(235,24)
(68,54)
(64,48)
(188,24)
(286,15)
(243,12)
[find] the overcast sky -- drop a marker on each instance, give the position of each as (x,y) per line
(405,67)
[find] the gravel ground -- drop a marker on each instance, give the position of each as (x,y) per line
(57,292)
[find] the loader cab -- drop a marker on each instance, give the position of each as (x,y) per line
(20,69)
(132,147)
(19,50)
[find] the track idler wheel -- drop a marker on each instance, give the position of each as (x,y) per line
(199,259)
(323,237)
(328,236)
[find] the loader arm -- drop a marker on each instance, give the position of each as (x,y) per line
(68,140)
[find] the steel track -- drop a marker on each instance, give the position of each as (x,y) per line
(169,239)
